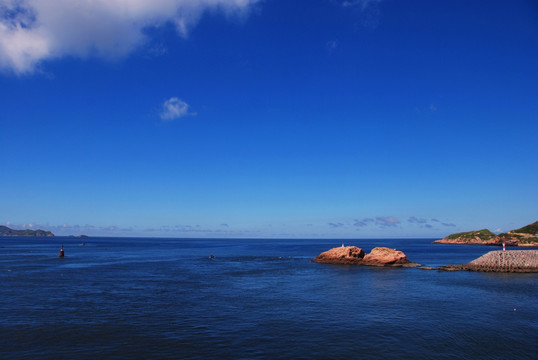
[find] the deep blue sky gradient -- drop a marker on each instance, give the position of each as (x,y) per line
(306,119)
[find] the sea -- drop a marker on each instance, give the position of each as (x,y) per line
(154,298)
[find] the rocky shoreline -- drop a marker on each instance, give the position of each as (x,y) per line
(515,261)
(526,236)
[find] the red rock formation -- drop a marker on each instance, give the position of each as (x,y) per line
(381,256)
(341,255)
(352,255)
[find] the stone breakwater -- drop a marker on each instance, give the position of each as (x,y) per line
(506,261)
(501,261)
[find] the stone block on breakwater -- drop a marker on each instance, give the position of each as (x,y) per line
(506,261)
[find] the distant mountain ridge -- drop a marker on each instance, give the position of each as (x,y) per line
(525,236)
(5,231)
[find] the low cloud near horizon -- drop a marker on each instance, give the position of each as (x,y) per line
(35,30)
(390,221)
(130,231)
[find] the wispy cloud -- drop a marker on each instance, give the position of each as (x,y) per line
(416,220)
(369,11)
(363,4)
(424,222)
(174,108)
(382,221)
(35,30)
(331,46)
(364,222)
(335,225)
(360,223)
(386,221)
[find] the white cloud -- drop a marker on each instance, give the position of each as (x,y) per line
(331,46)
(174,108)
(35,30)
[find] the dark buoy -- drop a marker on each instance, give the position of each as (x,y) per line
(61,251)
(211,256)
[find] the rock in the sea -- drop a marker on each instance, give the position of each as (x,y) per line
(451,268)
(341,255)
(382,256)
(352,255)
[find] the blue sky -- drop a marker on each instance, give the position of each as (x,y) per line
(245,118)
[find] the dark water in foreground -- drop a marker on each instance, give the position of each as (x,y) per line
(163,298)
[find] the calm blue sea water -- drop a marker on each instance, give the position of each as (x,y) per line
(164,298)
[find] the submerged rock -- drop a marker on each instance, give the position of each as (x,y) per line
(451,268)
(352,255)
(427,268)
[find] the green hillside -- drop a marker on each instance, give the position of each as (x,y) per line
(525,236)
(5,231)
(529,229)
(483,234)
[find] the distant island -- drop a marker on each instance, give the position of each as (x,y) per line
(5,231)
(525,236)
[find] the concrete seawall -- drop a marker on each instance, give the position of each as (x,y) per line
(506,261)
